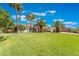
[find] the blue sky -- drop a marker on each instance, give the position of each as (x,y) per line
(67,13)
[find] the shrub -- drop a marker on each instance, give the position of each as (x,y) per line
(2,38)
(4,30)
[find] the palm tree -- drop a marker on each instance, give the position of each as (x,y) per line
(18,7)
(58,26)
(30,17)
(20,11)
(41,23)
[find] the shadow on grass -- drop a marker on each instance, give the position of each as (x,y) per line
(3,38)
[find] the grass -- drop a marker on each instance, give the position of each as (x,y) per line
(40,44)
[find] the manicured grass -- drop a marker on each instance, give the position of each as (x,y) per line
(40,44)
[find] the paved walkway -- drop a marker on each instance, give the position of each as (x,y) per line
(69,33)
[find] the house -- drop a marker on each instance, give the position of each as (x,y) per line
(37,28)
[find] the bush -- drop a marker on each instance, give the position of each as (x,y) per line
(4,30)
(2,38)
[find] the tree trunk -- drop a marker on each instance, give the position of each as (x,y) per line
(30,26)
(37,26)
(57,29)
(20,19)
(33,26)
(17,20)
(41,28)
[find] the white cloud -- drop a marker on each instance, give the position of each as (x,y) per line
(70,23)
(69,26)
(59,20)
(23,11)
(38,18)
(40,13)
(14,16)
(44,13)
(52,11)
(22,17)
(49,25)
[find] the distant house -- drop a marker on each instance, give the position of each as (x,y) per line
(37,28)
(66,30)
(49,29)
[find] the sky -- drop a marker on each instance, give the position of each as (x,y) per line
(68,13)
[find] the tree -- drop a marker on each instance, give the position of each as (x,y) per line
(41,23)
(5,20)
(18,7)
(58,26)
(30,17)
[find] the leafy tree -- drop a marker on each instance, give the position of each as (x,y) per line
(5,20)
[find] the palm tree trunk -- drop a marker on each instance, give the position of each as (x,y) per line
(33,25)
(20,18)
(17,20)
(41,28)
(57,29)
(37,26)
(30,26)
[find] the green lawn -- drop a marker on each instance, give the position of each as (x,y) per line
(40,44)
